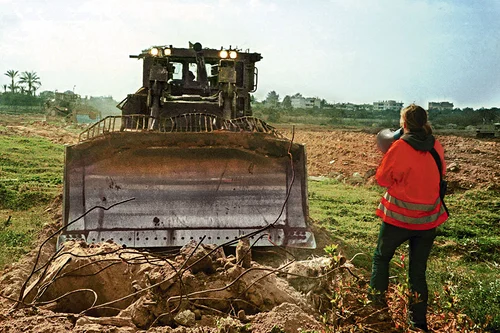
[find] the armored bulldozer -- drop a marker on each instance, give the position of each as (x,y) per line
(71,107)
(188,152)
(488,131)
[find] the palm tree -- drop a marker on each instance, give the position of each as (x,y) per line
(12,74)
(32,80)
(13,88)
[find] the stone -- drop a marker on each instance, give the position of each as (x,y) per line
(186,318)
(244,253)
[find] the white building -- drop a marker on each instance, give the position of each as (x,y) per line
(387,105)
(440,106)
(305,102)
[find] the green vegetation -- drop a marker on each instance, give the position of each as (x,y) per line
(20,97)
(18,230)
(275,112)
(22,92)
(464,263)
(30,178)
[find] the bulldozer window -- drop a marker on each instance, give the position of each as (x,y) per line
(177,71)
(193,68)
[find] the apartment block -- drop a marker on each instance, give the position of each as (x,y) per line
(387,105)
(440,106)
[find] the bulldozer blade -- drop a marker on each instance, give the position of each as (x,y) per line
(215,187)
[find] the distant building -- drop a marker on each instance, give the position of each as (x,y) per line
(387,105)
(345,106)
(365,107)
(440,106)
(305,102)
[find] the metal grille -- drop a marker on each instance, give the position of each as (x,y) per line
(190,122)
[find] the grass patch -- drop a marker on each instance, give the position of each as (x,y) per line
(348,213)
(18,230)
(30,178)
(464,262)
(30,171)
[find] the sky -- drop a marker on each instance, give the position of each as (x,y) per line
(358,51)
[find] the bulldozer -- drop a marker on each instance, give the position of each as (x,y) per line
(70,107)
(187,161)
(488,131)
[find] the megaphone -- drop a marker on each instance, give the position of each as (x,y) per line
(386,137)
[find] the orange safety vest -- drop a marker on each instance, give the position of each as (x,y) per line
(412,179)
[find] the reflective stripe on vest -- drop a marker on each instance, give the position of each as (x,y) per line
(418,208)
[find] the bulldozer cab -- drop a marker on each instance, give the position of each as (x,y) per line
(197,163)
(188,79)
(219,80)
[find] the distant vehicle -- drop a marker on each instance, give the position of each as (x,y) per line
(488,131)
(71,107)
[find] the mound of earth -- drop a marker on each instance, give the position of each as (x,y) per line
(105,285)
(107,288)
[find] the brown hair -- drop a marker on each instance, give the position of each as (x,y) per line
(416,118)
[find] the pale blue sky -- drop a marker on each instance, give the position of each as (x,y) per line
(342,50)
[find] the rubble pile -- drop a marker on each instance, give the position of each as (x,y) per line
(104,285)
(108,288)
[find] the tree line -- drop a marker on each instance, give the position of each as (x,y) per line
(274,110)
(28,82)
(22,88)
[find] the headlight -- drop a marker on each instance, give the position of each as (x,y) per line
(154,51)
(233,54)
(167,52)
(223,54)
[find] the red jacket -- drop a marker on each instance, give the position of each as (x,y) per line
(412,180)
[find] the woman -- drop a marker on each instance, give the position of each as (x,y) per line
(411,209)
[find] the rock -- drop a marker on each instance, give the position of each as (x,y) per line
(229,325)
(201,260)
(452,167)
(141,314)
(106,321)
(234,271)
(185,318)
(242,316)
(318,178)
(370,173)
(244,253)
(87,268)
(356,179)
(300,272)
(197,314)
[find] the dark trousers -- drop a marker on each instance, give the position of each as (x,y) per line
(420,241)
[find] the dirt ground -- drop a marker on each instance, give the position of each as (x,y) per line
(290,300)
(471,162)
